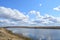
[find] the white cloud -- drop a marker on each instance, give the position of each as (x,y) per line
(6,22)
(10,16)
(57,8)
(36,13)
(47,19)
(39,19)
(11,13)
(40,4)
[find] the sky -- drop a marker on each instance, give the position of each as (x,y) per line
(30,12)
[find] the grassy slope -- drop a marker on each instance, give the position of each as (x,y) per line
(8,35)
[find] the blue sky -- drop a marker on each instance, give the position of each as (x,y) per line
(27,5)
(30,12)
(50,7)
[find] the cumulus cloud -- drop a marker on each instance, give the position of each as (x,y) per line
(11,13)
(10,16)
(46,19)
(57,8)
(36,13)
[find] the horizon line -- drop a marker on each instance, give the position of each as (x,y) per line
(33,27)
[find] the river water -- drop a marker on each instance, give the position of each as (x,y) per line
(38,34)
